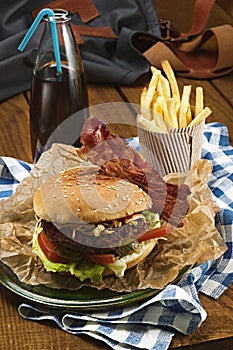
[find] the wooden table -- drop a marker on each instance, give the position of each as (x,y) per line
(216,333)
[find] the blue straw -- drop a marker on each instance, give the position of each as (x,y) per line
(33,27)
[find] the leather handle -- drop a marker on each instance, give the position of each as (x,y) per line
(201,13)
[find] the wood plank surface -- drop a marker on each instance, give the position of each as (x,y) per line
(14,124)
(216,333)
(19,334)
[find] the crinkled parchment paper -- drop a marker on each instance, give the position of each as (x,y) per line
(196,242)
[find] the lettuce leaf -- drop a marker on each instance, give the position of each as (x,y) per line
(152,218)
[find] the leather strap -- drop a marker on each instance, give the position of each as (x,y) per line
(193,60)
(202,10)
(165,53)
(85,8)
(100,32)
(224,37)
(201,13)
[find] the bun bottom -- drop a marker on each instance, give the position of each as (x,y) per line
(135,260)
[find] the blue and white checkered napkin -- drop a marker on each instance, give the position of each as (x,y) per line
(152,324)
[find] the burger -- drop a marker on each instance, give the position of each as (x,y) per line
(92,225)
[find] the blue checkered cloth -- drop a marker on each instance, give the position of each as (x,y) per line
(151,324)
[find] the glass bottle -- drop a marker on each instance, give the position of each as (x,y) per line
(57,96)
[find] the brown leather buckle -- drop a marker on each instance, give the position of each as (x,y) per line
(171,35)
(167,31)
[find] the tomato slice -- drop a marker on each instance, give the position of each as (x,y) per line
(102,258)
(156,232)
(49,249)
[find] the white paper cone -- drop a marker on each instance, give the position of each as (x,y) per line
(175,151)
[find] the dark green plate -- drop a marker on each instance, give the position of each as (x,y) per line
(82,299)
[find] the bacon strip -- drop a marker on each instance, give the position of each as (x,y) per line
(116,158)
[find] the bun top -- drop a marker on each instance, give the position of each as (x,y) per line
(81,193)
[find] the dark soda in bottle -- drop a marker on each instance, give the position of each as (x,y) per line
(59,102)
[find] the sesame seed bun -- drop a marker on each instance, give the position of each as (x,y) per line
(81,193)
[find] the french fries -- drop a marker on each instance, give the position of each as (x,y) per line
(163,105)
(173,83)
(199,103)
(184,115)
(201,116)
